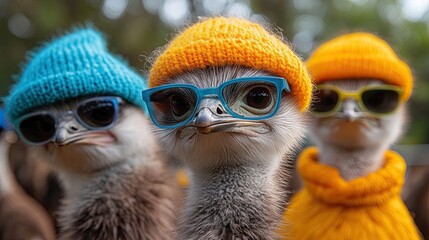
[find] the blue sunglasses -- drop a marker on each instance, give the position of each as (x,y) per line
(250,98)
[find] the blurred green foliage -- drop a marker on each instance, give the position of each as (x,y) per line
(136,27)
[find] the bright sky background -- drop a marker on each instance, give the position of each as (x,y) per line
(414,10)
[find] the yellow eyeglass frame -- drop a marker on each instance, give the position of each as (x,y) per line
(357,95)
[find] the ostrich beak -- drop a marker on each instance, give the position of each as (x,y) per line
(212,117)
(70,132)
(351,113)
(350,110)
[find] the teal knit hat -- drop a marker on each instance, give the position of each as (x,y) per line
(70,66)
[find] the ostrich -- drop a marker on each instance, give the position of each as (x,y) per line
(90,126)
(353,141)
(214,101)
(352,181)
(21,217)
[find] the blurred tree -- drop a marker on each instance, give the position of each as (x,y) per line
(137,27)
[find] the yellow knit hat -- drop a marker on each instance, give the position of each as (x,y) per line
(359,55)
(223,41)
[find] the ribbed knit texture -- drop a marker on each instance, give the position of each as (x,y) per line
(329,207)
(73,65)
(231,41)
(358,56)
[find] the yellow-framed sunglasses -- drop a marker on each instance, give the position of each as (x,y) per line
(377,100)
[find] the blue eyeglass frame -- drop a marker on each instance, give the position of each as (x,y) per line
(117,101)
(280,83)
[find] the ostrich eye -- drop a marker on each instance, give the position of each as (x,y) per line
(172,105)
(179,105)
(258,97)
(251,99)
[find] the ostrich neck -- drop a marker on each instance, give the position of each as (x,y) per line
(131,200)
(231,203)
(353,163)
(76,183)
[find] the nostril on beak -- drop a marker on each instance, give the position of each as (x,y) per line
(72,128)
(220,109)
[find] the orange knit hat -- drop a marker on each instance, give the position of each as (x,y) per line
(359,55)
(223,41)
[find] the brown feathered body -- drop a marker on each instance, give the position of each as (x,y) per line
(123,203)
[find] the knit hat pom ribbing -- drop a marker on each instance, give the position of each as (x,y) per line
(220,41)
(70,66)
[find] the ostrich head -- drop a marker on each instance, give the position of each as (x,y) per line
(215,137)
(226,114)
(79,104)
(359,106)
(86,134)
(373,118)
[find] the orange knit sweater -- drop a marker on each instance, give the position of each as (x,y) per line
(328,207)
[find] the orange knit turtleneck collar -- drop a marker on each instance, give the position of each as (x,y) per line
(326,184)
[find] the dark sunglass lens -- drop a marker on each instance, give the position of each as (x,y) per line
(259,97)
(179,105)
(97,113)
(173,105)
(37,128)
(380,101)
(324,100)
